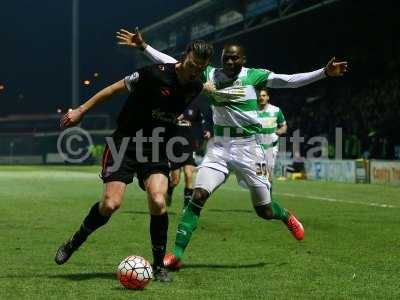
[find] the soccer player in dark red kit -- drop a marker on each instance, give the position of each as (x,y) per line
(157,95)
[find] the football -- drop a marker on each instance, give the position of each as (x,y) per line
(134,272)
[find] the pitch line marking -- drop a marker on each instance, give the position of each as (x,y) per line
(76,174)
(373,204)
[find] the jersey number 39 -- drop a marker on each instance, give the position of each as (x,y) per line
(261,169)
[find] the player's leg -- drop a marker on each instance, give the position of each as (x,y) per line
(156,187)
(271,165)
(269,158)
(188,171)
(207,181)
(174,178)
(115,182)
(98,215)
(212,173)
(251,167)
(288,218)
(264,206)
(268,209)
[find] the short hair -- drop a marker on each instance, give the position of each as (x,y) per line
(241,48)
(200,49)
(263,89)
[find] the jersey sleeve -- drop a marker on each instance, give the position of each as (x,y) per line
(258,77)
(157,56)
(295,80)
(138,78)
(280,118)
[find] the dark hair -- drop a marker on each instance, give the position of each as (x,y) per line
(200,49)
(241,48)
(263,89)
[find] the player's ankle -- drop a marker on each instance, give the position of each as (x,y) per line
(178,252)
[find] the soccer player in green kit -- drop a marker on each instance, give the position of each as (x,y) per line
(273,125)
(236,124)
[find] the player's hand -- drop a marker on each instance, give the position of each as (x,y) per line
(335,69)
(131,40)
(181,121)
(209,87)
(206,134)
(71,118)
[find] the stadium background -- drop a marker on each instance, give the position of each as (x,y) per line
(283,36)
(350,250)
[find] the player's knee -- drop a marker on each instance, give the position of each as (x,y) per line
(174,181)
(110,204)
(264,211)
(157,203)
(200,196)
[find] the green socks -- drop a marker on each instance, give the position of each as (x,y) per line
(279,212)
(190,218)
(188,223)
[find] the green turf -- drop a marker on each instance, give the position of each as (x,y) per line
(351,246)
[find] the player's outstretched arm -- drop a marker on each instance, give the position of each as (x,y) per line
(135,40)
(74,116)
(332,69)
(158,57)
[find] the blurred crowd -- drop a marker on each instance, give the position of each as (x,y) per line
(365,108)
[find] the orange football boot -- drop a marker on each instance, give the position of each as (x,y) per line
(171,262)
(295,227)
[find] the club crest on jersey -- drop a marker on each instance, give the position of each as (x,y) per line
(161,67)
(165,91)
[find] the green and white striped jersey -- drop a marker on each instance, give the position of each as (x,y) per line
(270,118)
(234,104)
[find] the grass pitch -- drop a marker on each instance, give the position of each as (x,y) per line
(350,250)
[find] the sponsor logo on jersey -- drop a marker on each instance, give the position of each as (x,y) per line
(163,116)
